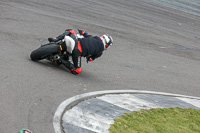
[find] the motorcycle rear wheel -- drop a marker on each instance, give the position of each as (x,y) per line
(45,51)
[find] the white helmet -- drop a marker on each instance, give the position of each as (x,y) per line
(107,41)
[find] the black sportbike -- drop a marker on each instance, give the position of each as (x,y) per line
(52,51)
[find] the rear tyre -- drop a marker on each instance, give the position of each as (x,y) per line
(44,51)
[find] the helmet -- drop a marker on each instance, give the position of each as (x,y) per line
(107,41)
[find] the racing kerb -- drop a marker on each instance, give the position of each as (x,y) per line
(73,101)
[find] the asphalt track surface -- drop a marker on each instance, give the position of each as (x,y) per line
(155,48)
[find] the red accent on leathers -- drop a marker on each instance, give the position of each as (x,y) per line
(77,70)
(83,31)
(79,47)
(90,59)
(71,31)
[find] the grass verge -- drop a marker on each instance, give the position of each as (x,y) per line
(158,120)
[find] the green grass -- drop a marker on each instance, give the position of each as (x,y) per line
(158,120)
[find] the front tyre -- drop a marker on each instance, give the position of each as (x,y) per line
(44,51)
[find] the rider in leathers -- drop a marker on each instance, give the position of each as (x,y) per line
(83,45)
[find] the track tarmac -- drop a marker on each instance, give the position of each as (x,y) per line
(156,48)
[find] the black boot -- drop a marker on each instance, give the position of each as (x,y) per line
(52,39)
(58,62)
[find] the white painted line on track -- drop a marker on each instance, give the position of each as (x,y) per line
(128,102)
(194,102)
(87,120)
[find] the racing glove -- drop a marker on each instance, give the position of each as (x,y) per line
(89,59)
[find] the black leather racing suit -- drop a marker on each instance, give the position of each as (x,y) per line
(90,47)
